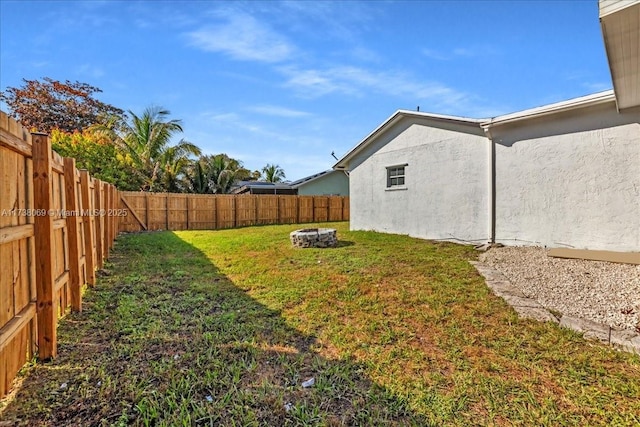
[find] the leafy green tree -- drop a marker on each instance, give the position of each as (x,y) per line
(50,104)
(216,174)
(146,141)
(273,173)
(99,156)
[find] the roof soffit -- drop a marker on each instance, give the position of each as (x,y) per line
(620,22)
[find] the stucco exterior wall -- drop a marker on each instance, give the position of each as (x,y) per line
(570,179)
(446,179)
(335,183)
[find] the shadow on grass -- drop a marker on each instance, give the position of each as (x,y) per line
(165,339)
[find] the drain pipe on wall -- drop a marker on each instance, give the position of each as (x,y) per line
(492,183)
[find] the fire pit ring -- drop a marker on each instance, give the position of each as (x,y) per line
(314,238)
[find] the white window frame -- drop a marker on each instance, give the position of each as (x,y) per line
(395,179)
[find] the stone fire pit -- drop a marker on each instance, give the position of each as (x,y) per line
(314,238)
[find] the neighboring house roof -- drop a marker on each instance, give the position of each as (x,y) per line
(620,22)
(311,178)
(261,187)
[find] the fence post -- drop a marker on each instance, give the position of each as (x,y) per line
(215,212)
(120,210)
(257,210)
(87,213)
(166,212)
(147,210)
(111,215)
(108,225)
(43,232)
(97,212)
(71,203)
(188,211)
(106,229)
(114,213)
(235,212)
(328,208)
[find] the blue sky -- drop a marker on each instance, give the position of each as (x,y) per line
(290,82)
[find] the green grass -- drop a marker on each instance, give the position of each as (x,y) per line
(222,327)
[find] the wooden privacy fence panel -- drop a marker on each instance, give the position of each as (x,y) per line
(17,253)
(167,211)
(57,225)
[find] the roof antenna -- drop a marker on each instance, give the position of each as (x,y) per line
(418,109)
(334,155)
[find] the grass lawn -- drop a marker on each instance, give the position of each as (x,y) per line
(222,327)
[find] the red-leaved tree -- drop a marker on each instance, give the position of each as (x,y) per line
(50,104)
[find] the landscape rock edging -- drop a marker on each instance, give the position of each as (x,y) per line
(530,309)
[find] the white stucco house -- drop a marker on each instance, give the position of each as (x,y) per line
(560,175)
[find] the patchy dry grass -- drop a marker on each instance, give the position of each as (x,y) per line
(222,327)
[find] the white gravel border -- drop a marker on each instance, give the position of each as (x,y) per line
(602,292)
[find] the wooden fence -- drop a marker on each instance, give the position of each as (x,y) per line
(166,211)
(57,225)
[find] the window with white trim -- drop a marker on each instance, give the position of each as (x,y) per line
(395,176)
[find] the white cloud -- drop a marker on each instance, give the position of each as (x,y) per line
(365,54)
(273,110)
(586,80)
(340,20)
(358,81)
(242,37)
(316,83)
(221,117)
(39,64)
(238,124)
(597,86)
(434,54)
(90,71)
(460,52)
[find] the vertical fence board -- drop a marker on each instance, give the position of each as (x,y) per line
(107,221)
(8,168)
(46,309)
(226,211)
(72,217)
(88,226)
(97,200)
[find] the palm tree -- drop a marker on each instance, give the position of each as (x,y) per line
(216,174)
(145,140)
(175,162)
(199,178)
(273,173)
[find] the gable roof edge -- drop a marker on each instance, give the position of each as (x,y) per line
(549,109)
(395,118)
